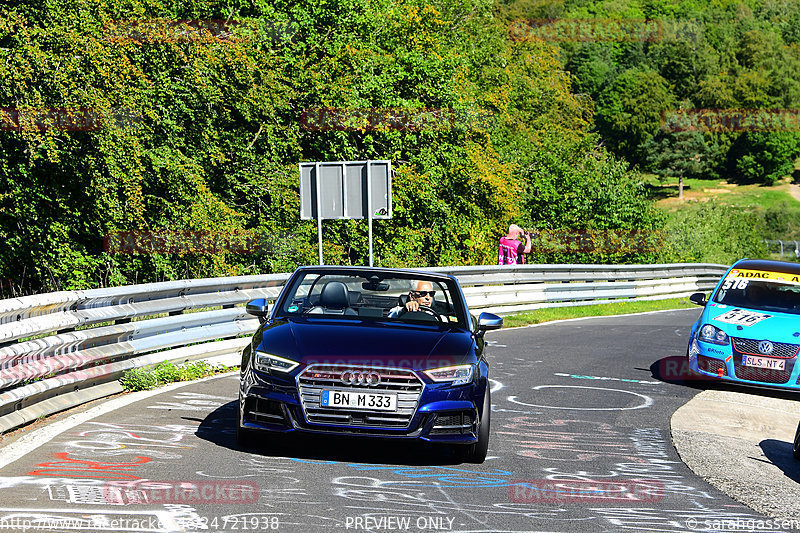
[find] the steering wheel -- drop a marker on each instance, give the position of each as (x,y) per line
(422,309)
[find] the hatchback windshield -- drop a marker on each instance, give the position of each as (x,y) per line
(770,291)
(373,296)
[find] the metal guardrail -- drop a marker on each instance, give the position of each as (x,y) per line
(789,248)
(61,349)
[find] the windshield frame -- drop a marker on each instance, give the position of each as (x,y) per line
(445,285)
(732,292)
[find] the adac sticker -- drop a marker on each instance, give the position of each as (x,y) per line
(742,317)
(764,275)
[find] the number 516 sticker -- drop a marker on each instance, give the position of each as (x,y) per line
(741,317)
(735,284)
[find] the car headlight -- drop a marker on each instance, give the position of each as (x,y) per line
(457,375)
(713,334)
(266,361)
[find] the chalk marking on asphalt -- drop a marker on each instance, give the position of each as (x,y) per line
(33,440)
(648,401)
(601,378)
(495,385)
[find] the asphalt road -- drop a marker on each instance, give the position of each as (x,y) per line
(580,441)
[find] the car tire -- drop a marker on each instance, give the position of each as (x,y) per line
(245,437)
(476,453)
(796,443)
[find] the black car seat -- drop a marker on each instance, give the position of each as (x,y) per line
(334,300)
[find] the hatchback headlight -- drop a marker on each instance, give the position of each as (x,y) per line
(266,361)
(713,334)
(457,375)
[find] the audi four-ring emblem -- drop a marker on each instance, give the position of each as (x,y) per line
(368,378)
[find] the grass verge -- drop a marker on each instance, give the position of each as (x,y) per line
(617,308)
(138,379)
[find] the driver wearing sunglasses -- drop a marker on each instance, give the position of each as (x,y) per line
(421,294)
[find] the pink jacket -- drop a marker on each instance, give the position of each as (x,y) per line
(508,254)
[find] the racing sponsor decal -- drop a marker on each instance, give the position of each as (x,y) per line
(736,283)
(764,275)
(742,317)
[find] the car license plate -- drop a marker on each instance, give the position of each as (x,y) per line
(763,362)
(358,400)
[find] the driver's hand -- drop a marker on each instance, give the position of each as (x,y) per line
(412,305)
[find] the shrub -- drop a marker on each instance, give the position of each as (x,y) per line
(138,379)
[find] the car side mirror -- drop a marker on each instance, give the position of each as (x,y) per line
(488,321)
(259,308)
(698,298)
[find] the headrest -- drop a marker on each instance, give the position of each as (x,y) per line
(334,295)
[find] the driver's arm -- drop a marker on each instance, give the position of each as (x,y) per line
(412,304)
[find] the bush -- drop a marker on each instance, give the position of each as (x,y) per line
(710,232)
(194,370)
(763,157)
(138,379)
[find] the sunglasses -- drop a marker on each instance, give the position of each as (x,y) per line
(420,294)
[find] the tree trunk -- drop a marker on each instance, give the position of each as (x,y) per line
(680,188)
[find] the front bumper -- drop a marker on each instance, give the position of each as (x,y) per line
(725,363)
(441,413)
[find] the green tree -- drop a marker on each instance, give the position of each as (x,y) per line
(630,110)
(679,155)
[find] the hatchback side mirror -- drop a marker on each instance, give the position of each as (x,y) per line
(698,298)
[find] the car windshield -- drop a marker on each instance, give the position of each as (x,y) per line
(374,296)
(764,291)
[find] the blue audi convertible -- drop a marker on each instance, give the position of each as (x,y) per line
(370,353)
(749,331)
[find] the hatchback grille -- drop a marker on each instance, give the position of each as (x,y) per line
(763,375)
(709,364)
(316,378)
(780,350)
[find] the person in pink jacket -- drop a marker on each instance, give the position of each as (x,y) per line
(512,251)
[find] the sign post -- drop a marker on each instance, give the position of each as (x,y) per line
(343,190)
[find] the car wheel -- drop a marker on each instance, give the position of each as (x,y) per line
(476,453)
(244,437)
(796,444)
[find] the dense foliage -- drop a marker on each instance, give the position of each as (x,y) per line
(724,56)
(165,116)
(202,131)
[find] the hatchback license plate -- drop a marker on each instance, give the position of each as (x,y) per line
(358,400)
(763,362)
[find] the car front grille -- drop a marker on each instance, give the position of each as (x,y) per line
(742,347)
(763,375)
(709,364)
(316,378)
(780,350)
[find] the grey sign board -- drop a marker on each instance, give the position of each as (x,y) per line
(339,189)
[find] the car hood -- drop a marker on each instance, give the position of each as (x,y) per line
(779,327)
(345,341)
